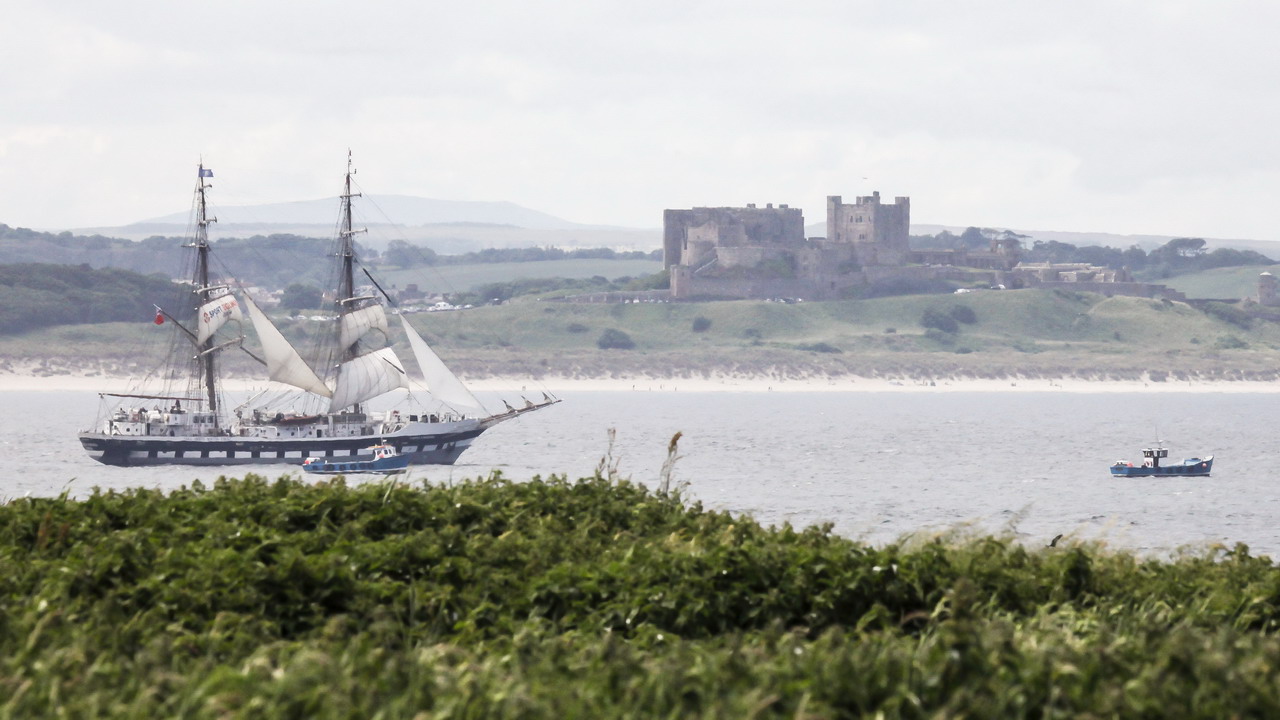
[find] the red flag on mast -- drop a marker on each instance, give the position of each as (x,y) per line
(159,316)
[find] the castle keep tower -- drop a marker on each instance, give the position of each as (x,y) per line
(878,233)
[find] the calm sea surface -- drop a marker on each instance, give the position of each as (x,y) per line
(877,465)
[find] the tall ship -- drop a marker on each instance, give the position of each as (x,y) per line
(183,417)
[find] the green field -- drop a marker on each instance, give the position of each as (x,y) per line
(448,279)
(1023,333)
(596,598)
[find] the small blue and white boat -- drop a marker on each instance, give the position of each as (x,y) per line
(1151,467)
(384,460)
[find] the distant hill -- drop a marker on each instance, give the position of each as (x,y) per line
(455,227)
(446,226)
(380,209)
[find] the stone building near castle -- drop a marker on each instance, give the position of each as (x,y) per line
(1267,293)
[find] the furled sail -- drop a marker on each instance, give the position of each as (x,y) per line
(365,377)
(356,323)
(214,314)
(283,362)
(443,384)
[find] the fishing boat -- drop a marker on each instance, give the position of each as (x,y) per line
(1150,466)
(381,458)
(183,418)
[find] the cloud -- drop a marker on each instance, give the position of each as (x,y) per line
(1125,117)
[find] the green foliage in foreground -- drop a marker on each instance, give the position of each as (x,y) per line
(594,599)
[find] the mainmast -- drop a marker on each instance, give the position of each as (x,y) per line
(347,299)
(203,290)
(346,283)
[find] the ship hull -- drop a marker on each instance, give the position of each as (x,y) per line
(421,443)
(1189,468)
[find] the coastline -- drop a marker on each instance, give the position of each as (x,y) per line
(13,382)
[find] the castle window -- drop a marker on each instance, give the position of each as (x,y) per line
(859,219)
(862,236)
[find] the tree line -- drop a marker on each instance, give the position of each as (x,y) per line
(35,295)
(271,261)
(1176,257)
(403,254)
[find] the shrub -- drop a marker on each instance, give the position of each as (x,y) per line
(285,599)
(821,348)
(701,324)
(1230,342)
(964,314)
(577,328)
(299,296)
(939,336)
(1228,313)
(939,321)
(614,339)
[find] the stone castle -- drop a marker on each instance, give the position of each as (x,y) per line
(752,252)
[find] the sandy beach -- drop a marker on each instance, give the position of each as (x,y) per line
(28,382)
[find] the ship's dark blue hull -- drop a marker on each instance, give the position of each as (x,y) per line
(436,448)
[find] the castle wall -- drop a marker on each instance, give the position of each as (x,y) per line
(700,244)
(821,261)
(684,230)
(743,288)
(748,257)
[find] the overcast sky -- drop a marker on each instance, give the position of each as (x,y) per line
(1126,116)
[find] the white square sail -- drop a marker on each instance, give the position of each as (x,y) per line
(367,376)
(214,314)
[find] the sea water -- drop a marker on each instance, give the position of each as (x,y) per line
(878,466)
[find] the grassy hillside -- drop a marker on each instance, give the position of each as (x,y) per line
(595,599)
(1026,333)
(1230,282)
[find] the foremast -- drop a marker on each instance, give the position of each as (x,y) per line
(347,253)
